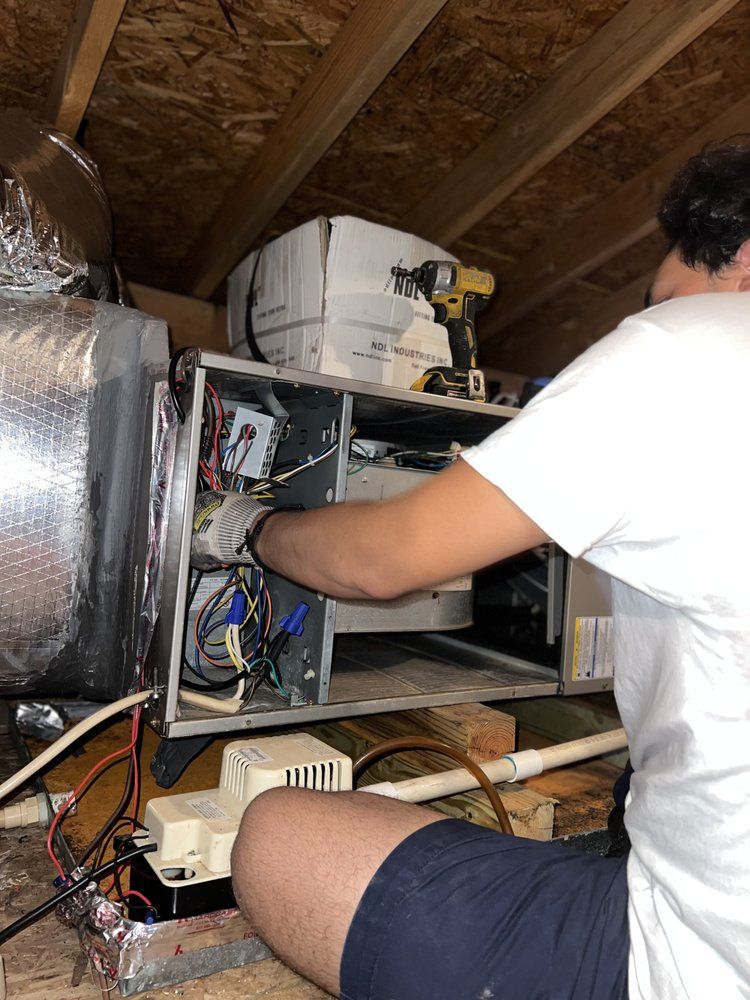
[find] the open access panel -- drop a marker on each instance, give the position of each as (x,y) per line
(333,438)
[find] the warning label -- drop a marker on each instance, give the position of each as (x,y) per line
(255,756)
(207,808)
(592,653)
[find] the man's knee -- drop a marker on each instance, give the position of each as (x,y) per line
(263,822)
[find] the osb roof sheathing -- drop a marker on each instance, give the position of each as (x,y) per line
(191,89)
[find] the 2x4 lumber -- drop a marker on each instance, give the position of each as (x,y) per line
(191,322)
(84,51)
(531,814)
(363,52)
(630,48)
(598,235)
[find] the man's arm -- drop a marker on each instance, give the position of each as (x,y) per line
(456,523)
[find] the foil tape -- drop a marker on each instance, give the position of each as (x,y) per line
(55,219)
(162,465)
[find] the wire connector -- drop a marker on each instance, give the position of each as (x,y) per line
(294,623)
(237,609)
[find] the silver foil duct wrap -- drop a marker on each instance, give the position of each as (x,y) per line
(76,443)
(55,220)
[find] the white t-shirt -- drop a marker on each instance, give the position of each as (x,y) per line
(637,457)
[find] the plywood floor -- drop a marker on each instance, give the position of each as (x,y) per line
(40,962)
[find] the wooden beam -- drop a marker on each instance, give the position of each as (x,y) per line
(480,731)
(84,51)
(611,226)
(557,346)
(191,322)
(366,48)
(629,49)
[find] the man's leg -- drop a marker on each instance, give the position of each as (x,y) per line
(302,861)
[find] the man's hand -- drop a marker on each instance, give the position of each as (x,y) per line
(222,527)
(454,524)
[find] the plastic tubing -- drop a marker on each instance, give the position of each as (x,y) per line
(224,706)
(437,746)
(437,786)
(84,726)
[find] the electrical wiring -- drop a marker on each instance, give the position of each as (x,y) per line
(89,778)
(173,382)
(437,746)
(70,737)
(96,875)
(231,625)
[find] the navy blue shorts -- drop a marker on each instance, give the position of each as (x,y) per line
(458,912)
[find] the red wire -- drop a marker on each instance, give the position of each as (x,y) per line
(216,463)
(92,775)
(134,892)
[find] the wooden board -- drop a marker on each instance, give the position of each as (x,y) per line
(191,322)
(85,48)
(367,47)
(483,733)
(40,962)
(632,46)
(607,228)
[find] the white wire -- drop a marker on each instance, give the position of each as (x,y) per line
(84,726)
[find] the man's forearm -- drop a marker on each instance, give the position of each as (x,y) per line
(331,550)
(454,524)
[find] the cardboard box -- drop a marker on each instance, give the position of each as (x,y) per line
(325,301)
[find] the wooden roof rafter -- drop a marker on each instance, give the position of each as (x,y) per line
(84,50)
(372,40)
(630,48)
(598,235)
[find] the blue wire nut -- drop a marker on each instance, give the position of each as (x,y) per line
(293,623)
(237,609)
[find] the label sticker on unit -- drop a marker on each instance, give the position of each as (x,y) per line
(207,808)
(255,756)
(592,653)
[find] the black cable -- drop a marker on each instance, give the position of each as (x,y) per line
(252,342)
(115,814)
(122,821)
(174,392)
(209,685)
(94,876)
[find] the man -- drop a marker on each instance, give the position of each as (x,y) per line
(635,458)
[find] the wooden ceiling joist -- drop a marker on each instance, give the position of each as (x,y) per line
(629,49)
(366,48)
(596,236)
(84,51)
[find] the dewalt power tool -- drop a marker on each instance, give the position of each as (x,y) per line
(456,294)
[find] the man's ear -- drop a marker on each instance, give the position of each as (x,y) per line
(742,258)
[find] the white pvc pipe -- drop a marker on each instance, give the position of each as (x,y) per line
(508,768)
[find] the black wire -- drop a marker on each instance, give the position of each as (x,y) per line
(174,392)
(115,814)
(122,821)
(209,685)
(252,342)
(95,876)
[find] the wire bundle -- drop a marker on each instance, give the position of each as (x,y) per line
(243,633)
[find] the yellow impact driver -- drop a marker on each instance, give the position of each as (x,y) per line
(456,294)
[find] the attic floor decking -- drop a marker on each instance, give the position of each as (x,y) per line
(40,962)
(44,961)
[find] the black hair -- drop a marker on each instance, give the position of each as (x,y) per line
(705,214)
